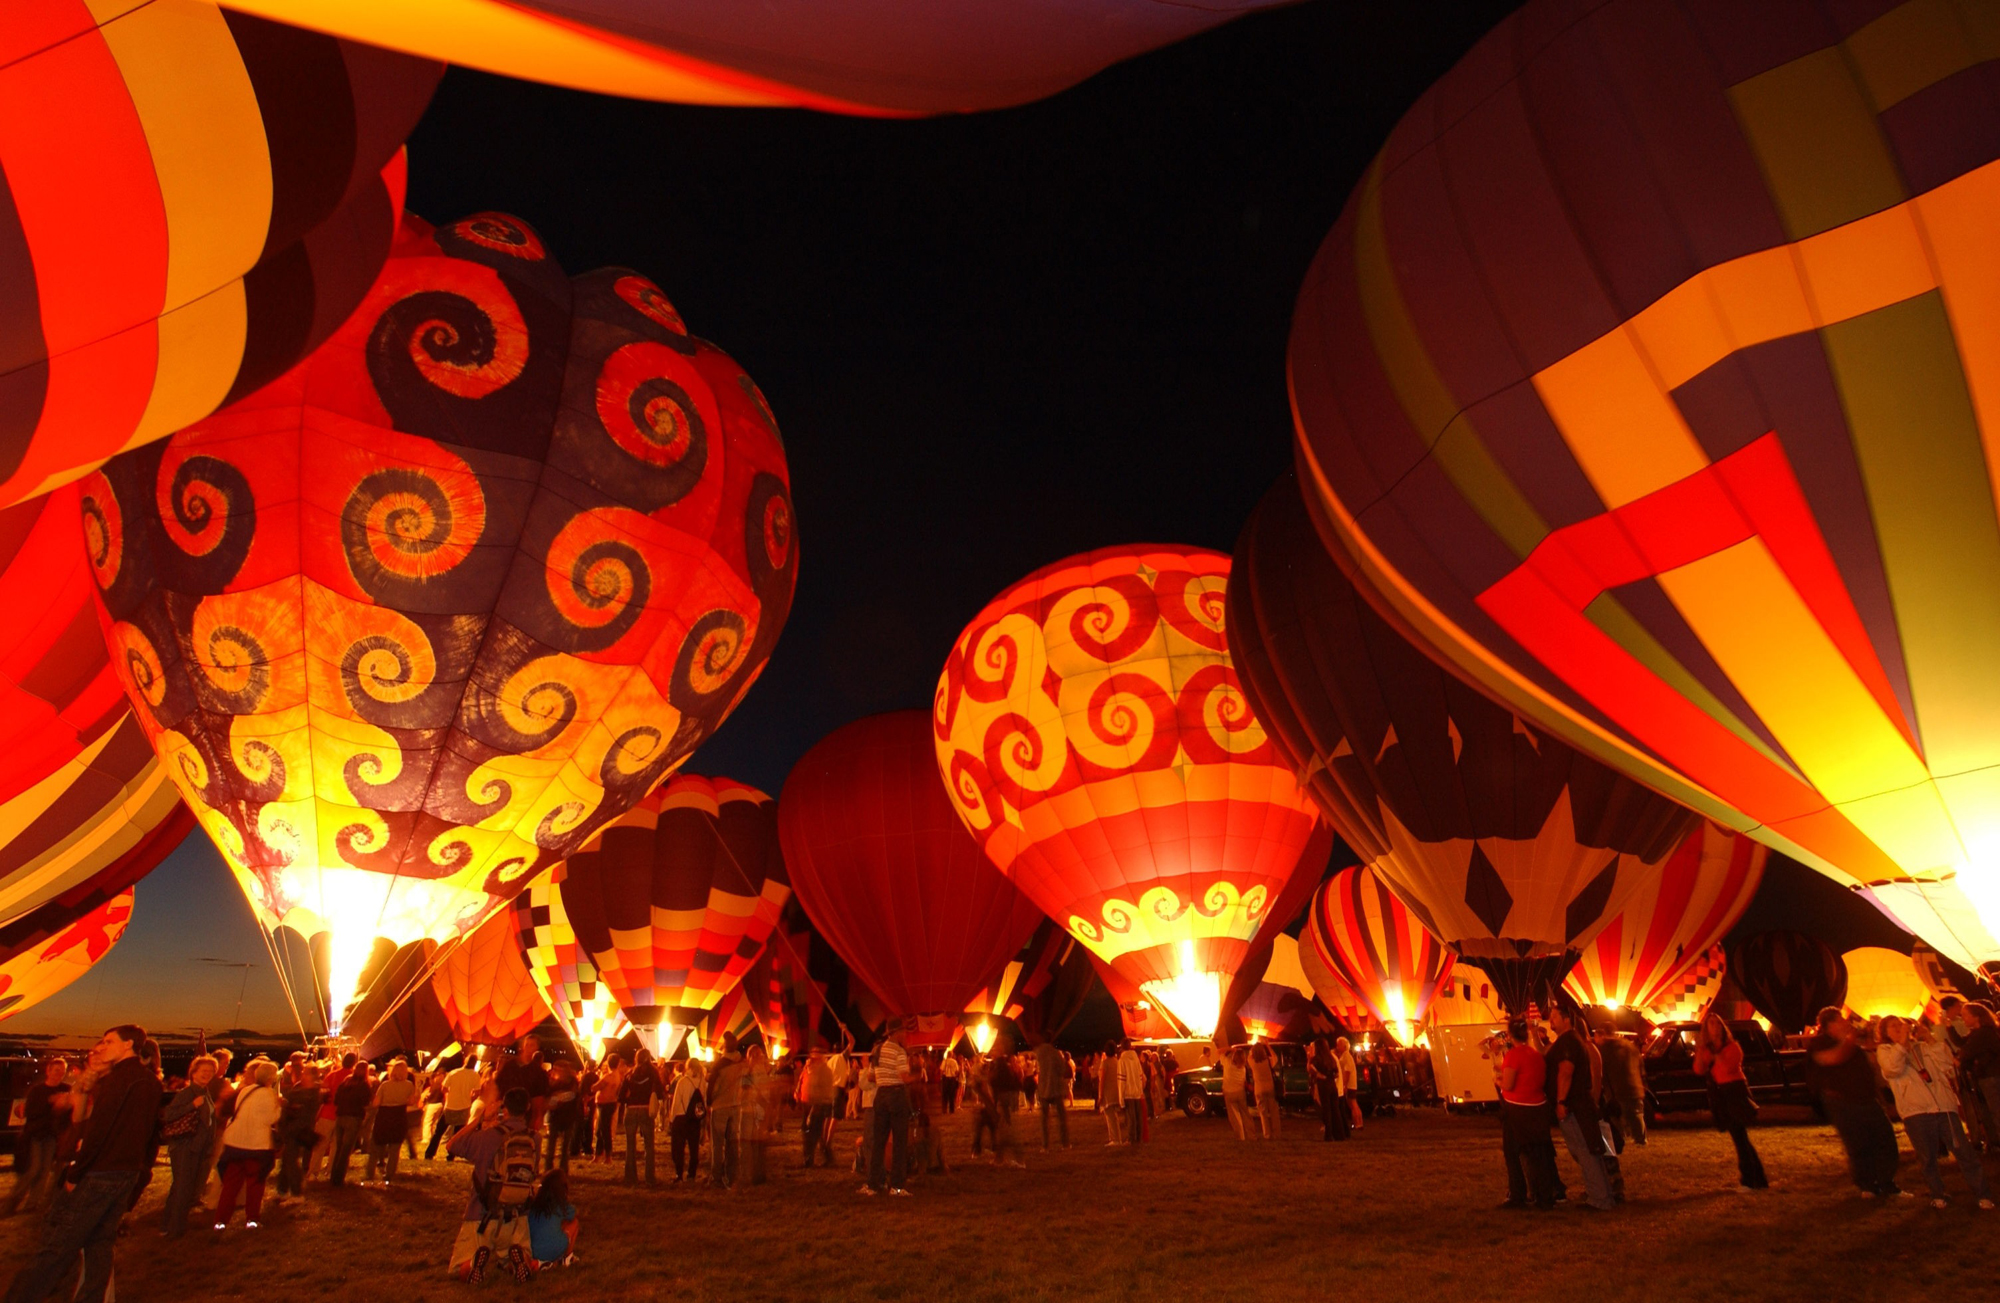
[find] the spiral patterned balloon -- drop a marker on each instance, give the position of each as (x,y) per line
(419,618)
(1093,737)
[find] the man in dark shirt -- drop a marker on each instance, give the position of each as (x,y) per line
(528,1074)
(350,1105)
(1839,1072)
(1573,1083)
(114,1156)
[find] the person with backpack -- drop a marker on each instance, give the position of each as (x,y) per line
(506,1173)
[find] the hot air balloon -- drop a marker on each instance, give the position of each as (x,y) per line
(1024,979)
(842,56)
(413,622)
(53,944)
(1931,971)
(1648,376)
(1508,846)
(194,200)
(1359,929)
(1332,991)
(484,987)
(798,995)
(1688,996)
(1883,982)
(1638,960)
(1093,737)
(80,790)
(675,900)
(888,876)
(1788,976)
(563,970)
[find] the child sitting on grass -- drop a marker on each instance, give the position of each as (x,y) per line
(552,1224)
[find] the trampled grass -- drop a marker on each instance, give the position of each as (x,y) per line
(1405,1211)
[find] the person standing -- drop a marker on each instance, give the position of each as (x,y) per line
(350,1106)
(604,1097)
(249,1145)
(816,1131)
(392,1116)
(1521,1076)
(1920,1072)
(460,1086)
(527,1072)
(323,1127)
(113,1157)
(1132,1092)
(1840,1072)
(1327,1080)
(725,1112)
(1264,1084)
(950,1073)
(686,1108)
(642,1086)
(187,1124)
(564,1108)
(1574,1091)
(889,1120)
(1051,1089)
(1350,1079)
(1108,1101)
(1235,1090)
(297,1133)
(1624,1087)
(1719,1058)
(45,1116)
(1979,1060)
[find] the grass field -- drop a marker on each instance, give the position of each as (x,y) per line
(1405,1211)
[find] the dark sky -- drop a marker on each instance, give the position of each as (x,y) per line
(991,342)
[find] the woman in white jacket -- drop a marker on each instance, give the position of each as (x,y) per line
(1920,1073)
(248,1146)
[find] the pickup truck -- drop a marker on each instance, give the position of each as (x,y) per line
(1776,1076)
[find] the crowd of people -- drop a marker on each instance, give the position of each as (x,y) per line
(1577,1076)
(92,1136)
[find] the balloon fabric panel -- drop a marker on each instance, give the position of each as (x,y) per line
(1642,954)
(562,969)
(193,200)
(1094,738)
(484,986)
(418,619)
(1507,845)
(675,900)
(888,874)
(1883,982)
(1688,998)
(846,56)
(1648,377)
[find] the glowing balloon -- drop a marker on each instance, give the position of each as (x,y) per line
(1640,957)
(888,875)
(1688,996)
(194,199)
(484,987)
(675,900)
(1093,737)
(413,622)
(52,945)
(1883,982)
(1508,846)
(563,970)
(1467,998)
(844,56)
(1359,929)
(1650,377)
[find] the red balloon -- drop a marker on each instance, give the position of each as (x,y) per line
(889,875)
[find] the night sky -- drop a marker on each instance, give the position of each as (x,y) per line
(990,341)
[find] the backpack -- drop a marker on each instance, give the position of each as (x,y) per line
(516,1173)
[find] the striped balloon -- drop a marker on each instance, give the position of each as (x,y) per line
(1702,889)
(194,199)
(1377,946)
(1685,998)
(563,971)
(1339,998)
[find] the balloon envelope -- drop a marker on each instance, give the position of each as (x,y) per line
(1883,982)
(676,899)
(563,970)
(484,987)
(889,876)
(194,200)
(1094,739)
(1788,976)
(1359,929)
(1510,847)
(1641,957)
(851,56)
(1649,377)
(414,621)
